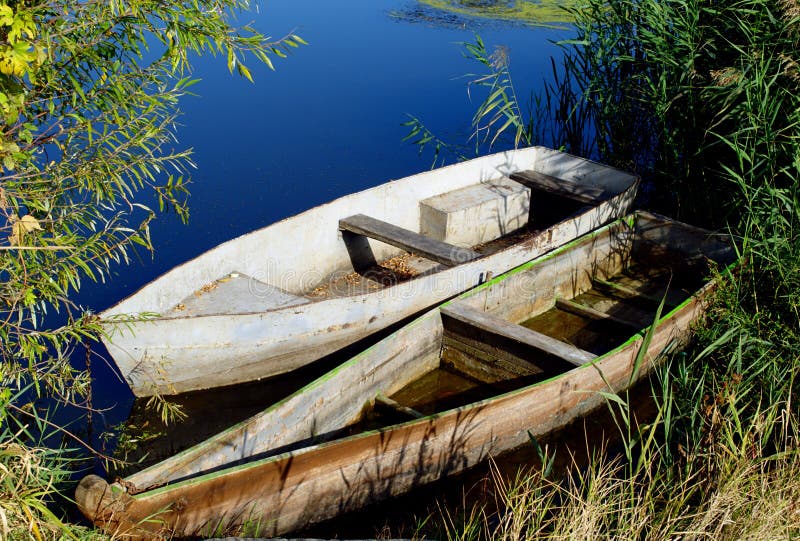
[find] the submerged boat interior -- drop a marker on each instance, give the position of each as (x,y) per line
(483,355)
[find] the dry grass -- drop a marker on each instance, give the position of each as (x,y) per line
(752,499)
(28,478)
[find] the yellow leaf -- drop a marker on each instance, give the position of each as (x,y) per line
(30,223)
(17,230)
(6,15)
(16,59)
(20,226)
(3,200)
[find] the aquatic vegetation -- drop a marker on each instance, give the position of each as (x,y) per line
(529,12)
(526,11)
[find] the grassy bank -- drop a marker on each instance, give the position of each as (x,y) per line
(703,100)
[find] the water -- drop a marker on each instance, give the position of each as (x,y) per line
(326,123)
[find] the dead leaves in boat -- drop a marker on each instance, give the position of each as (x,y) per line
(386,273)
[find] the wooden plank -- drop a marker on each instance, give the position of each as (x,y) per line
(495,325)
(382,400)
(624,292)
(560,186)
(589,312)
(442,252)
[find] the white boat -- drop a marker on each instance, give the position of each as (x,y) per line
(286,295)
(524,354)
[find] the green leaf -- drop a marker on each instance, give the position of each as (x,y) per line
(613,397)
(6,15)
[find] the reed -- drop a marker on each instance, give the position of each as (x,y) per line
(702,99)
(32,473)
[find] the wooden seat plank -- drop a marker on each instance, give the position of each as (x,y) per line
(559,186)
(626,293)
(436,250)
(589,312)
(495,325)
(386,402)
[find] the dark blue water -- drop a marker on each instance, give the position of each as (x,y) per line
(326,123)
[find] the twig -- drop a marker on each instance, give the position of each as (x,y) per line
(49,248)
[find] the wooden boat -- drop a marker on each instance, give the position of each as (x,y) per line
(283,296)
(524,353)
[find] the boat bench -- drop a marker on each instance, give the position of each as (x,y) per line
(561,187)
(435,250)
(582,310)
(490,349)
(671,298)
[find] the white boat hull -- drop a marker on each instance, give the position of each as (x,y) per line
(171,354)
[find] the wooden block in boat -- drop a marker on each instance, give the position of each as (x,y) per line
(475,214)
(442,252)
(559,186)
(495,325)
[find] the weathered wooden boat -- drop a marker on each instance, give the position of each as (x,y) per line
(524,353)
(275,299)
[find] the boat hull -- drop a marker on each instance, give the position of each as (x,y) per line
(170,354)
